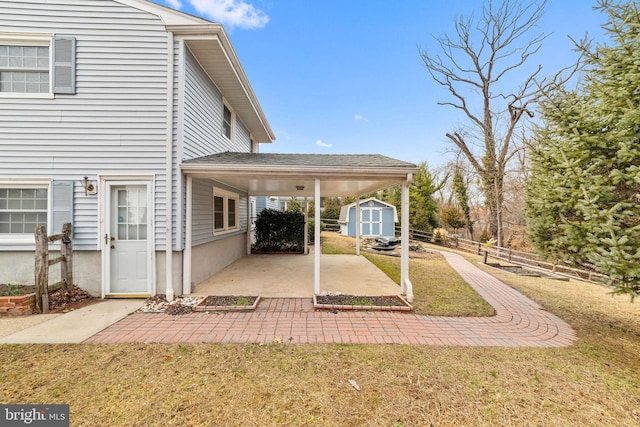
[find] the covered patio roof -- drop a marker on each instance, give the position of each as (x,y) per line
(305,175)
(272,174)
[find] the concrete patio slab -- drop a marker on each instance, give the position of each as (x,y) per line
(291,276)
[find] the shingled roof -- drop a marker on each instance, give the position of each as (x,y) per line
(275,174)
(303,160)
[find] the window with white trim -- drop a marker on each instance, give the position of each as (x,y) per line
(22,209)
(36,65)
(24,68)
(225,211)
(226,122)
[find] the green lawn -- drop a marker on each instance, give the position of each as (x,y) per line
(595,382)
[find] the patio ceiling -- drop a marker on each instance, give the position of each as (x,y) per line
(271,174)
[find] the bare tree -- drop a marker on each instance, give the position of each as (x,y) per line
(477,67)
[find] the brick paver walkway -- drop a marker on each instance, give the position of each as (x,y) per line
(519,322)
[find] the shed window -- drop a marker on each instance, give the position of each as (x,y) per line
(22,210)
(225,211)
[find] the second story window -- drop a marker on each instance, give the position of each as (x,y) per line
(37,66)
(226,122)
(24,69)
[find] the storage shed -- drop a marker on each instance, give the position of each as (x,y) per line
(377,219)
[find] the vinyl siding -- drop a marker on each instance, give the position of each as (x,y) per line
(116,121)
(202,121)
(202,220)
(199,133)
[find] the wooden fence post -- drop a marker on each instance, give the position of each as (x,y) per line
(42,268)
(66,250)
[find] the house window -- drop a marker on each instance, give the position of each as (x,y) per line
(225,211)
(37,65)
(24,68)
(226,122)
(22,210)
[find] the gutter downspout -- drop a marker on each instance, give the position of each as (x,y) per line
(169,172)
(406,286)
(186,262)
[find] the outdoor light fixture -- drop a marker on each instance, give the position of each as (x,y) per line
(299,187)
(89,186)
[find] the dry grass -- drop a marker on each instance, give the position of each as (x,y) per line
(595,382)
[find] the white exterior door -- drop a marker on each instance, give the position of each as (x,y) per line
(371,222)
(128,240)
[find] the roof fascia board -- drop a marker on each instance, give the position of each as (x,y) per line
(216,32)
(166,14)
(288,170)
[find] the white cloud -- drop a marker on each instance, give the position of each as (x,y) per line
(176,4)
(359,117)
(231,13)
(319,143)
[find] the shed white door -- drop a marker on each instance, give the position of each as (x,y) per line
(371,222)
(128,259)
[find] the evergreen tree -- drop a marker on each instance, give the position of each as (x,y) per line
(460,190)
(423,208)
(332,207)
(583,202)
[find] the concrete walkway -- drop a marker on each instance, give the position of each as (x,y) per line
(77,325)
(519,322)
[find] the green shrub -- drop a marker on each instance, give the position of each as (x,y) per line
(278,231)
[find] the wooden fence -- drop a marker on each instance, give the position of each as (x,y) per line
(330,224)
(526,259)
(43,262)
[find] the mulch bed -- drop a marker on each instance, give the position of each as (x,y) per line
(62,301)
(16,290)
(186,305)
(59,301)
(361,302)
(227,303)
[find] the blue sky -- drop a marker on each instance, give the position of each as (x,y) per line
(345,76)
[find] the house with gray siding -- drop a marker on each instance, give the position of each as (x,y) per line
(119,91)
(138,125)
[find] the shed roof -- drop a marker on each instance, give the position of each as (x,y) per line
(344,210)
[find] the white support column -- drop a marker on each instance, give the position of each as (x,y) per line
(306,225)
(249,224)
(358,219)
(186,262)
(406,287)
(316,243)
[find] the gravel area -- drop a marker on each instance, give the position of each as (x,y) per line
(11,325)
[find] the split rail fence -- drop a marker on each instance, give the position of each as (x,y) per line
(525,259)
(43,262)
